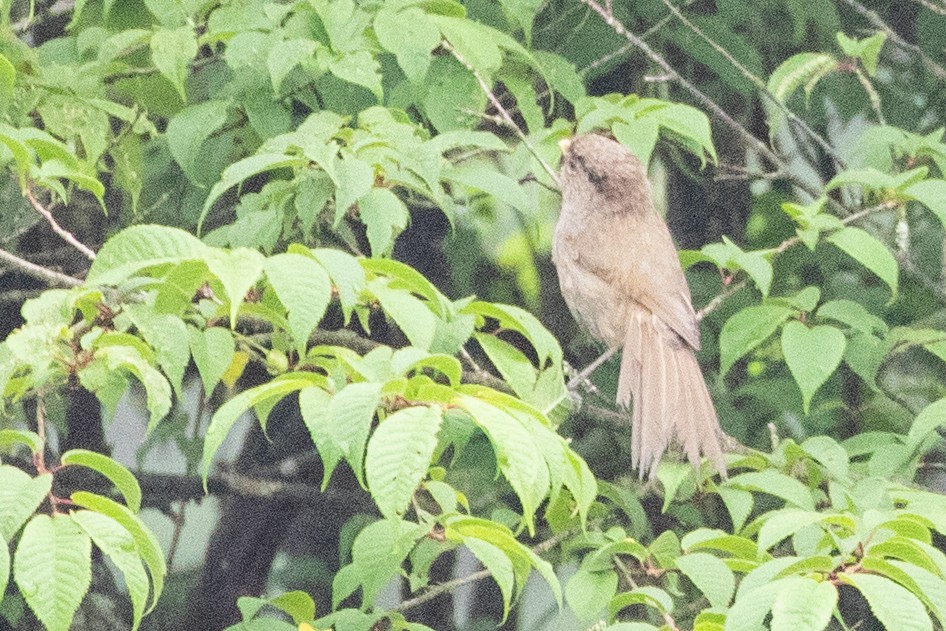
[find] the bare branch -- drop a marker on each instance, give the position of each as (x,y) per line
(67,236)
(705,101)
(892,35)
(759,84)
(48,276)
(502,111)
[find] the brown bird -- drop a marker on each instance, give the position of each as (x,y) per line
(621,278)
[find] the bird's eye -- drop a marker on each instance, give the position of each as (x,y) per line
(578,163)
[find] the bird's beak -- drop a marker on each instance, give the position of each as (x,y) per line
(564,144)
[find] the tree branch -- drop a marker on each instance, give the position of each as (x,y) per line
(502,112)
(48,276)
(67,236)
(875,19)
(759,84)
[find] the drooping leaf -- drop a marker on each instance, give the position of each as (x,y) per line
(869,252)
(117,474)
(119,546)
(303,287)
(398,456)
(52,568)
(172,50)
(812,355)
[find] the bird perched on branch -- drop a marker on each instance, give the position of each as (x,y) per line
(621,278)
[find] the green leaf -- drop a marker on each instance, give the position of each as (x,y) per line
(671,476)
(501,187)
(243,169)
(164,333)
(894,606)
(411,35)
(188,129)
(648,595)
(522,558)
(298,604)
(119,546)
(812,355)
(4,565)
(562,75)
(781,524)
(710,575)
(140,247)
(398,456)
(342,427)
(869,252)
(932,194)
(854,315)
(516,455)
(931,418)
(473,41)
(52,568)
(171,51)
(354,178)
(929,587)
(116,473)
(130,359)
(518,319)
(213,351)
(499,565)
(223,420)
(830,454)
(384,216)
(347,276)
(148,547)
(516,369)
(379,550)
(7,79)
(238,271)
(451,92)
(286,55)
(411,314)
(20,496)
(588,593)
(799,70)
(774,483)
(303,287)
(745,330)
(804,604)
(360,68)
(11,437)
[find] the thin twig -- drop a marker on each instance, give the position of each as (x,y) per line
(436,590)
(67,236)
(758,83)
(502,112)
(871,94)
(702,98)
(935,8)
(48,276)
(581,377)
(892,35)
(715,303)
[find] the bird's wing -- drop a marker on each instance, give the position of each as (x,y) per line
(648,270)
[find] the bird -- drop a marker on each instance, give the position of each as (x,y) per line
(620,276)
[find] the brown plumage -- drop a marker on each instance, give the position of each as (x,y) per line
(621,277)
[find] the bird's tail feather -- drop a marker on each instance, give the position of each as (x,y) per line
(671,402)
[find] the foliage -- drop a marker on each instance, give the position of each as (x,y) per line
(268,187)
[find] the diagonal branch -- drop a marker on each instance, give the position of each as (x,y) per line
(506,116)
(48,276)
(67,236)
(878,23)
(758,83)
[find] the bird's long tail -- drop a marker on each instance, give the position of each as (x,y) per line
(671,402)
